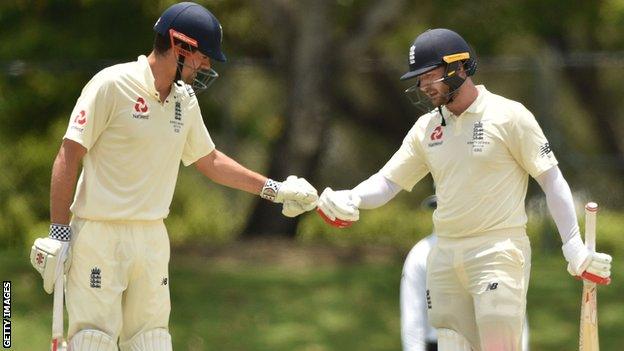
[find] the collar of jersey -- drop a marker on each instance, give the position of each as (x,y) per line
(148,78)
(477,106)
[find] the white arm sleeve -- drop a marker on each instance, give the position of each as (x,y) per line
(560,202)
(414,322)
(376,191)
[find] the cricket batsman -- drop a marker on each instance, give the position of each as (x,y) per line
(480,149)
(417,334)
(131,126)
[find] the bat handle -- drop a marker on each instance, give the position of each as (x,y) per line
(591,208)
(57,314)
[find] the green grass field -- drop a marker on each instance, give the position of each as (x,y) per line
(285,297)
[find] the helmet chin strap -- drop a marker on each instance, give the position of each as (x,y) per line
(179,67)
(454,81)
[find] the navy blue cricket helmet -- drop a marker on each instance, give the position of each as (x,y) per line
(437,47)
(194,23)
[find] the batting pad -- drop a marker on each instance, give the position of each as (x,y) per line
(92,340)
(152,340)
(450,340)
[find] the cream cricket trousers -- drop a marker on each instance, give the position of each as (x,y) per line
(477,286)
(118,280)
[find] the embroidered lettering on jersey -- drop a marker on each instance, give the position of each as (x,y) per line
(141,109)
(96,278)
(178,111)
(177,123)
(478,141)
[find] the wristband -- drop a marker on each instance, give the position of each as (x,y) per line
(60,232)
(270,189)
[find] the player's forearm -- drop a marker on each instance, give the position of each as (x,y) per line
(376,191)
(63,184)
(223,170)
(560,202)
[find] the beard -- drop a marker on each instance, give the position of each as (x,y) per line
(439,98)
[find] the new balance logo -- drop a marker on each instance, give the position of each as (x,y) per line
(545,150)
(96,278)
(491,286)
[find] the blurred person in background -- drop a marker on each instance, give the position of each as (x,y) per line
(131,127)
(480,149)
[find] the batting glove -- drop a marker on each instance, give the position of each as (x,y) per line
(339,208)
(51,256)
(593,266)
(296,194)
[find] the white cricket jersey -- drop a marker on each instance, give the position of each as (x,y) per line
(480,162)
(134,142)
(416,331)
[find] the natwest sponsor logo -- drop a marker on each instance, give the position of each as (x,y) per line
(141,110)
(79,121)
(436,136)
(437,133)
(81,118)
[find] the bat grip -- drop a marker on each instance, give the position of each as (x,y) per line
(57,310)
(590,225)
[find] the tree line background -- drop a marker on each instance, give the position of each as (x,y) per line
(311,89)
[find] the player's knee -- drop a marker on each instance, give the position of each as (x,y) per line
(450,340)
(92,340)
(157,339)
(500,332)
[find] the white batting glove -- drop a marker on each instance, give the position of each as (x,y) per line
(51,256)
(292,208)
(593,266)
(296,194)
(339,208)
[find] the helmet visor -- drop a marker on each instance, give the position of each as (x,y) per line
(423,102)
(203,79)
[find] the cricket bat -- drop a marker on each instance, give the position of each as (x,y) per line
(58,344)
(588,337)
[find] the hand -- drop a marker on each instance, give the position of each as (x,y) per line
(292,208)
(51,256)
(339,208)
(298,190)
(593,266)
(305,196)
(597,268)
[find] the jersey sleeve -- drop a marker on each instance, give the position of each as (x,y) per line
(92,111)
(408,165)
(528,144)
(198,142)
